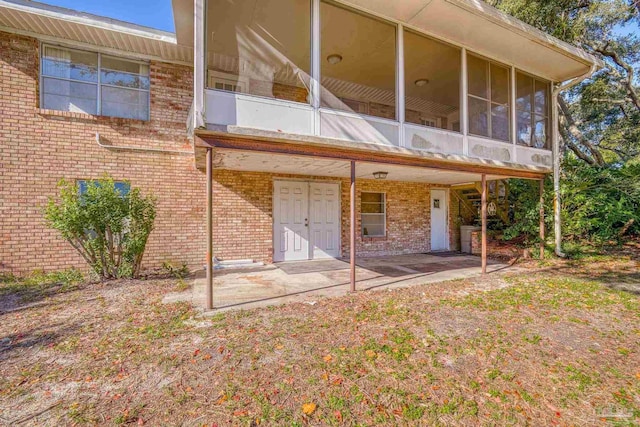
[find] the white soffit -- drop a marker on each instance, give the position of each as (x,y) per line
(469,23)
(52,23)
(248,161)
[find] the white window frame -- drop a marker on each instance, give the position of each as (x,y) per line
(532,113)
(99,83)
(490,101)
(383,214)
(242,82)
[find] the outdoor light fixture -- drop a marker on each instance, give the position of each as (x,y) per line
(421,82)
(380,175)
(334,59)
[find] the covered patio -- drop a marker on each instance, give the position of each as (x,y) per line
(258,150)
(308,281)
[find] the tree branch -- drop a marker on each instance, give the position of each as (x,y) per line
(573,130)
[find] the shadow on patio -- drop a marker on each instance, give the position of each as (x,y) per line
(306,281)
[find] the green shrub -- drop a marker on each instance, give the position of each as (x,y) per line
(107,226)
(599,205)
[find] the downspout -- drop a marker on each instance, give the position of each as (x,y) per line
(555,141)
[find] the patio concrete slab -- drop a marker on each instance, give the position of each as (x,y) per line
(307,281)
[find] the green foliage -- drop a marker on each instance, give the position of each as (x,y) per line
(108,228)
(600,205)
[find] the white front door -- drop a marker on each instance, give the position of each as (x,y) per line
(290,221)
(324,218)
(306,220)
(439,220)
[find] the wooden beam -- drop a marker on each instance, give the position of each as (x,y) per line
(484,224)
(542,219)
(230,142)
(352,228)
(209,302)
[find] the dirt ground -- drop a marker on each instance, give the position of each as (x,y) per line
(557,345)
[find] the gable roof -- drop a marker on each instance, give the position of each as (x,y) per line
(59,24)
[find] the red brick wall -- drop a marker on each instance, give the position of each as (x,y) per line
(39,147)
(247,233)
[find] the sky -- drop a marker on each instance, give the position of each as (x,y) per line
(150,13)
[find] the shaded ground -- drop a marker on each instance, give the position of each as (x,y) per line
(556,345)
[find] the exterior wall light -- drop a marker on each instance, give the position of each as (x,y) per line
(421,82)
(334,59)
(380,175)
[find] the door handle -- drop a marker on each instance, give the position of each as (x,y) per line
(306,222)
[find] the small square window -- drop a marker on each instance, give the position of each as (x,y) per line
(373,214)
(436,203)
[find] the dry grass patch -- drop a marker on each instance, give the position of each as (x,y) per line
(553,346)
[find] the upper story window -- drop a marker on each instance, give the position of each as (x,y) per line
(489,109)
(532,107)
(93,83)
(260,48)
(358,62)
(432,82)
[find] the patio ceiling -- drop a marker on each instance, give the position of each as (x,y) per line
(248,161)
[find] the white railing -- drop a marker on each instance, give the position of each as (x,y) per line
(243,110)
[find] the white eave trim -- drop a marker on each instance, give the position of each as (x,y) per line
(492,14)
(87,19)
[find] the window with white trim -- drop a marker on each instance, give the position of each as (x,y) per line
(373,214)
(93,83)
(488,92)
(532,106)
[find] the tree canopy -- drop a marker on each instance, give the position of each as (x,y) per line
(600,118)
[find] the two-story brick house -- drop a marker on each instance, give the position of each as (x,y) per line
(324,128)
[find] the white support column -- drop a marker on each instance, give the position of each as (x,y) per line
(400,84)
(555,144)
(464,102)
(514,115)
(316,86)
(199,65)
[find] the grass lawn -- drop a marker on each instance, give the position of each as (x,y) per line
(555,344)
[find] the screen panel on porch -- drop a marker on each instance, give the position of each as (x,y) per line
(432,82)
(358,62)
(250,50)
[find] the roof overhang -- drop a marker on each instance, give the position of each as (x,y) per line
(56,24)
(472,24)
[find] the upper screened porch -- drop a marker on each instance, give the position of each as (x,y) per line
(334,70)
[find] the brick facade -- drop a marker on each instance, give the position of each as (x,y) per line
(248,232)
(39,147)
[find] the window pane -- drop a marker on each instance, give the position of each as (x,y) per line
(540,132)
(373,225)
(70,64)
(500,122)
(358,61)
(372,197)
(125,103)
(477,70)
(524,91)
(541,98)
(249,44)
(119,72)
(432,82)
(499,84)
(65,95)
(478,117)
(523,133)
